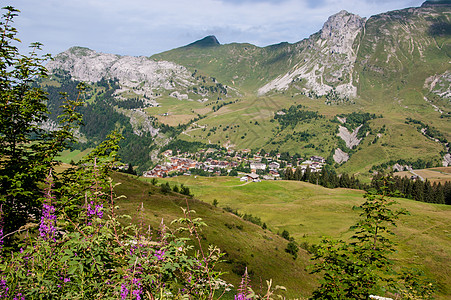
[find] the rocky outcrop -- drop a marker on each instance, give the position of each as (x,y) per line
(179,96)
(447,160)
(399,168)
(140,121)
(340,156)
(88,65)
(328,60)
(350,138)
(440,85)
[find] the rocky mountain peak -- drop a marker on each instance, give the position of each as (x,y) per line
(340,24)
(88,65)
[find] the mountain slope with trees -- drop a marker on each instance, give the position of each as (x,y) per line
(393,65)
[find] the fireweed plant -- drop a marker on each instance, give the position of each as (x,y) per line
(93,256)
(60,236)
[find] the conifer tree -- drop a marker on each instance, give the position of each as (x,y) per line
(355,269)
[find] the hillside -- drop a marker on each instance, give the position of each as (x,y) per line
(245,244)
(306,211)
(393,65)
(309,212)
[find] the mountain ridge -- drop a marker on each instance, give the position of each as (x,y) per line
(394,65)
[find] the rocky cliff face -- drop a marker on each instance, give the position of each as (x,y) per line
(440,85)
(327,59)
(139,73)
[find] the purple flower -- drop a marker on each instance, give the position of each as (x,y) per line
(48,219)
(66,280)
(3,289)
(1,236)
(19,297)
(137,291)
(243,293)
(94,210)
(1,227)
(241,297)
(124,291)
(159,254)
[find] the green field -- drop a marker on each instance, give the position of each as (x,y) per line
(72,155)
(309,212)
(245,244)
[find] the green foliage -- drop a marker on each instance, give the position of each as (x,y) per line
(292,248)
(97,257)
(165,188)
(253,219)
(356,269)
(100,118)
(428,130)
(184,190)
(415,189)
(285,234)
(27,150)
(294,115)
(184,146)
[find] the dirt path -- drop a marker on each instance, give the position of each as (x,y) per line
(239,184)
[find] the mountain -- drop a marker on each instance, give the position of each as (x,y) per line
(393,67)
(208,41)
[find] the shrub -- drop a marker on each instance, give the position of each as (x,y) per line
(292,249)
(165,188)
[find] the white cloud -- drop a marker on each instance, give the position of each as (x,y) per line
(142,27)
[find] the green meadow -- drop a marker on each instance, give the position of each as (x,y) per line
(309,212)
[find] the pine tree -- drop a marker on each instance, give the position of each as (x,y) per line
(289,174)
(439,195)
(298,174)
(354,270)
(418,190)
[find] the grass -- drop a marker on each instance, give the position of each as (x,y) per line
(389,83)
(67,156)
(308,212)
(244,243)
(434,175)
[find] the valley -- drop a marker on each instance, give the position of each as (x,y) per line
(323,165)
(305,210)
(393,66)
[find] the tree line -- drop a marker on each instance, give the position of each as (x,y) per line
(418,190)
(326,177)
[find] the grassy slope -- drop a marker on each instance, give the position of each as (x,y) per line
(261,250)
(244,66)
(308,212)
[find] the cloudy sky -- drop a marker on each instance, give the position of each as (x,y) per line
(146,27)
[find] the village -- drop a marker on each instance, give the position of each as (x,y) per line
(244,163)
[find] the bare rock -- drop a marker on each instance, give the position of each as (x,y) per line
(88,65)
(340,156)
(350,138)
(328,60)
(447,160)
